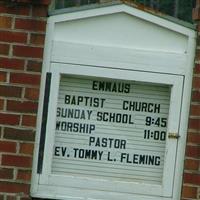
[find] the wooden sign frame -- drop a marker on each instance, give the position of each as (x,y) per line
(69,50)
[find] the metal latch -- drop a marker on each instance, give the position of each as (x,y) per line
(173,135)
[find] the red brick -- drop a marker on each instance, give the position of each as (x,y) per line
(27,198)
(6,146)
(34,66)
(23,107)
(1,104)
(24,175)
(189,192)
(17,10)
(3,76)
(193,138)
(196,82)
(9,187)
(194,124)
(196,96)
(11,63)
(197,3)
(16,160)
(37,39)
(26,51)
(22,78)
(19,134)
(195,110)
(39,11)
(11,197)
(6,173)
(10,91)
(196,13)
(9,119)
(4,49)
(5,22)
(32,93)
(197,69)
(198,51)
(191,164)
(192,178)
(193,151)
(30,24)
(29,120)
(8,36)
(26,148)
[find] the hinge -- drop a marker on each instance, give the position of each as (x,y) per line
(173,135)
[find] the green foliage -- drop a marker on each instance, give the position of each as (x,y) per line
(183,7)
(185,10)
(167,6)
(72,3)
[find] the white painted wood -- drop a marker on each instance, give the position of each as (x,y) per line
(118,42)
(64,193)
(173,127)
(183,128)
(149,18)
(120,30)
(45,69)
(115,57)
(50,129)
(70,180)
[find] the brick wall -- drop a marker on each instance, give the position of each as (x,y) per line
(22,32)
(191,178)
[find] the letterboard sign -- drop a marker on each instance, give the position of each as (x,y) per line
(113,129)
(115,133)
(114,106)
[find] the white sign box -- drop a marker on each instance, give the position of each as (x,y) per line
(113,118)
(111,134)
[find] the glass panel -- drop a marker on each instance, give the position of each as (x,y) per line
(72,3)
(111,129)
(181,9)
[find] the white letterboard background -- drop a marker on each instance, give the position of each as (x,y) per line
(138,154)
